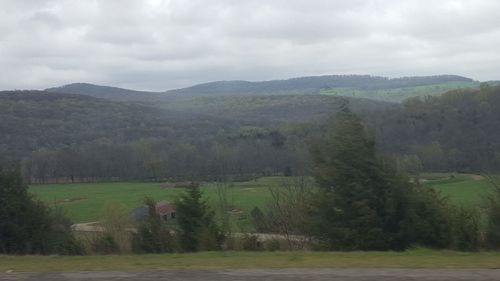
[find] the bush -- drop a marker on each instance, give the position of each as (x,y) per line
(428,221)
(493,218)
(259,220)
(251,242)
(105,245)
(273,245)
(61,240)
(466,226)
(153,236)
(116,223)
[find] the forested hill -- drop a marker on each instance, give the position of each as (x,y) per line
(56,135)
(33,120)
(112,93)
(80,137)
(361,86)
(273,110)
(456,131)
(315,84)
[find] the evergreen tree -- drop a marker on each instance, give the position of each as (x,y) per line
(198,230)
(361,205)
(27,226)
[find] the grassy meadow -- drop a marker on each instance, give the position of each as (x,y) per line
(87,202)
(400,94)
(465,189)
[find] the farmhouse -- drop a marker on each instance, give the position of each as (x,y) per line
(164,209)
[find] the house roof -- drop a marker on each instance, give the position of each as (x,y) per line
(164,208)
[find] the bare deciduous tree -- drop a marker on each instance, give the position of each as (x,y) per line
(289,210)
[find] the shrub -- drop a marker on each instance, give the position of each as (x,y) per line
(428,221)
(105,244)
(251,242)
(116,223)
(153,236)
(493,218)
(61,240)
(273,245)
(466,229)
(259,220)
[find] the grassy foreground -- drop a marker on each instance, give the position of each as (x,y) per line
(231,260)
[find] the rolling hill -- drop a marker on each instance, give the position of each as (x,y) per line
(106,92)
(136,134)
(318,84)
(363,86)
(33,120)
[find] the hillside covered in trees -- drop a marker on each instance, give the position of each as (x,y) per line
(453,132)
(364,86)
(78,137)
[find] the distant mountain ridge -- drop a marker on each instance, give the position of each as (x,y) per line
(314,84)
(107,92)
(365,86)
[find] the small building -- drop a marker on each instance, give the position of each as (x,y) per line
(164,209)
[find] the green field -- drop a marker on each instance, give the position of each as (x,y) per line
(420,258)
(400,94)
(465,189)
(87,202)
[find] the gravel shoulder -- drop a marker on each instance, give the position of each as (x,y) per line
(266,274)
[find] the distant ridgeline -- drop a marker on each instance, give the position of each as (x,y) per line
(321,84)
(238,129)
(366,86)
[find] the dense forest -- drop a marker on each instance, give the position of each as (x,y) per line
(58,137)
(456,131)
(316,83)
(67,136)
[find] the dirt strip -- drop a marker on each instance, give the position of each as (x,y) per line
(274,274)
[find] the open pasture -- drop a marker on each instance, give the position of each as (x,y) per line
(466,189)
(87,202)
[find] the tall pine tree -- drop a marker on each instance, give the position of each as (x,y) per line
(361,206)
(197,227)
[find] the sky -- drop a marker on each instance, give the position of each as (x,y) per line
(165,44)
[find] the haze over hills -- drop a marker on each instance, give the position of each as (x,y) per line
(229,120)
(248,133)
(33,120)
(107,92)
(315,84)
(365,86)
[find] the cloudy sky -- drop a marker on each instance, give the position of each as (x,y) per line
(165,44)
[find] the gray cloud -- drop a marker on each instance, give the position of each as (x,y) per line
(163,44)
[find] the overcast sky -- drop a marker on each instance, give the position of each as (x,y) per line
(160,45)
